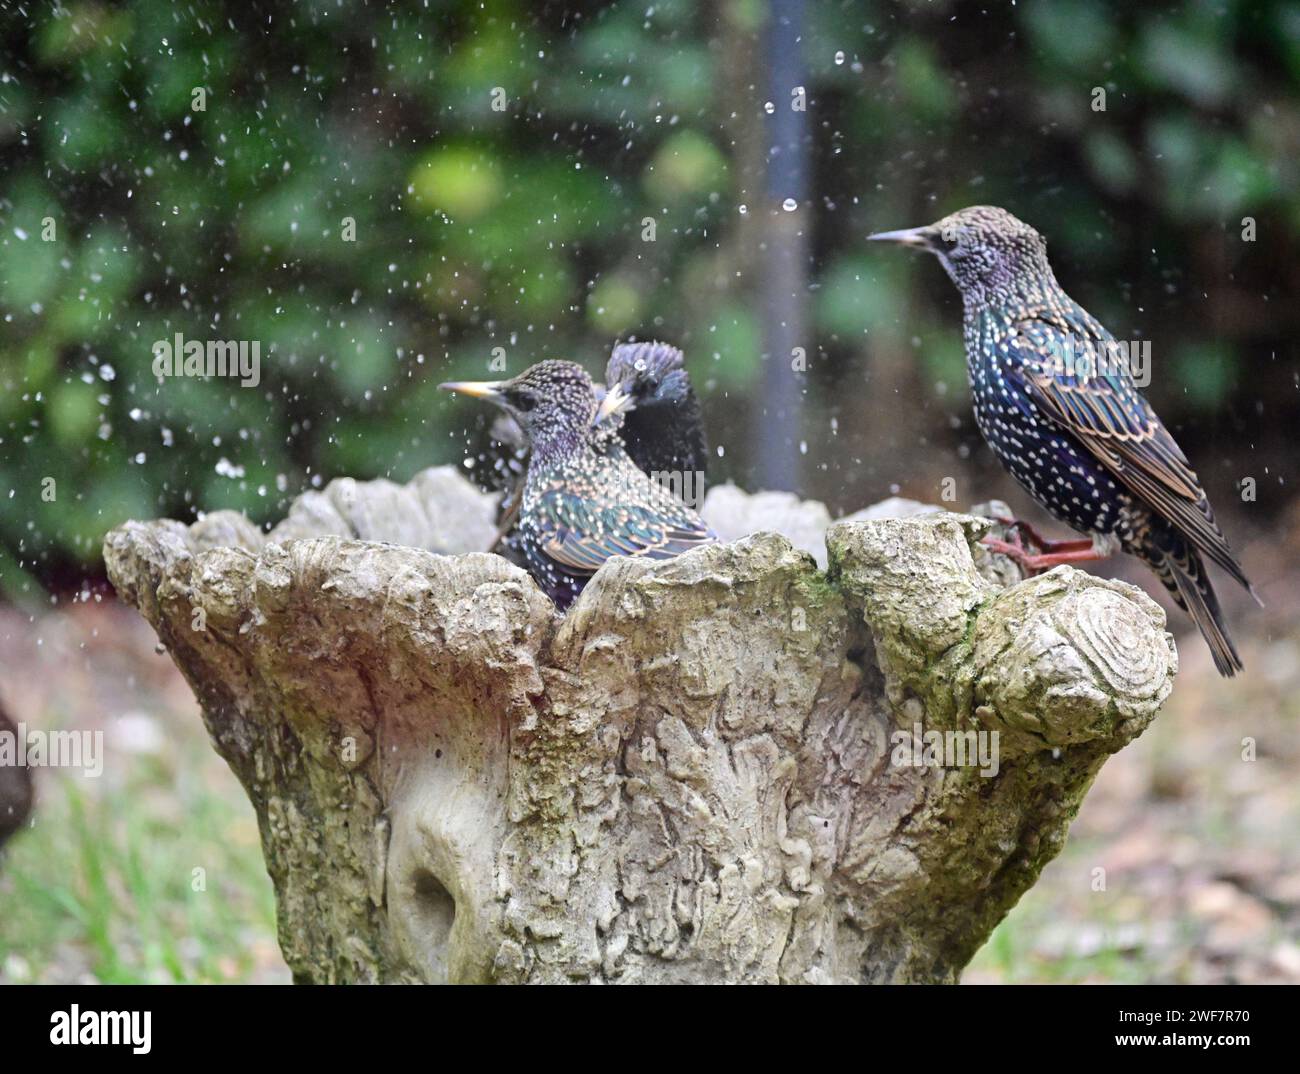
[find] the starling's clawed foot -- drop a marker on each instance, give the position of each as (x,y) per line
(1035,563)
(1043,544)
(1041,553)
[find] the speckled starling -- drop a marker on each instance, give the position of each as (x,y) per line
(1055,400)
(648,399)
(584,500)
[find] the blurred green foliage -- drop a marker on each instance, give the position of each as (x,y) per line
(126,216)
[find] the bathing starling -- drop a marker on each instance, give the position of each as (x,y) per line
(1055,400)
(583,500)
(648,399)
(663,429)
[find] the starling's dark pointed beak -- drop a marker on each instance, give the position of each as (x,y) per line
(616,401)
(920,237)
(479,389)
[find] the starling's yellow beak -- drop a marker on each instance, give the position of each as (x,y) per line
(479,389)
(616,401)
(920,237)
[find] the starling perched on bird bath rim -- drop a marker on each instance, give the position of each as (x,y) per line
(584,499)
(1055,400)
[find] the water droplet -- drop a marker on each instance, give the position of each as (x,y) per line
(769,108)
(743,209)
(839,58)
(789,205)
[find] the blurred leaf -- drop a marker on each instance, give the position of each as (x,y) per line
(81,133)
(687,165)
(1073,35)
(733,343)
(72,412)
(79,29)
(924,83)
(615,304)
(462,181)
(856,295)
(1192,63)
(29,267)
(1111,160)
(1204,370)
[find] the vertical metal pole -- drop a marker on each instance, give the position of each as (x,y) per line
(785,252)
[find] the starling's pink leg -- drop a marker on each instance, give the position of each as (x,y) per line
(1033,563)
(1044,543)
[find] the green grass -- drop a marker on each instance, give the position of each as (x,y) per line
(1009,957)
(158,878)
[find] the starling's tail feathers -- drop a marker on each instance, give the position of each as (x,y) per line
(1184,576)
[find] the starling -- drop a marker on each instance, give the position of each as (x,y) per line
(584,500)
(663,429)
(647,397)
(1055,400)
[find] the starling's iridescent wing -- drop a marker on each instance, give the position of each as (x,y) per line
(582,533)
(1102,407)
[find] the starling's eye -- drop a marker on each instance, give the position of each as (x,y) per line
(524,401)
